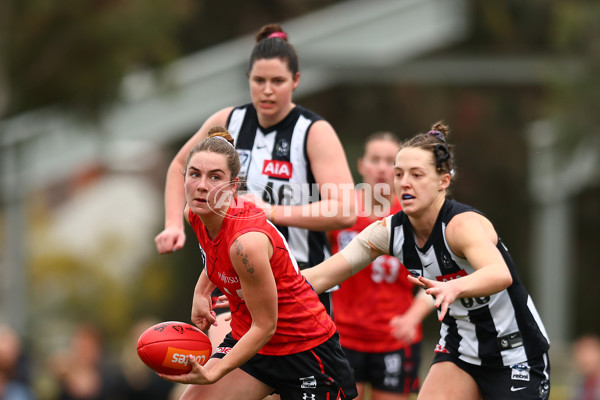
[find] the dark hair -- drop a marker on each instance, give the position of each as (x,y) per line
(219,141)
(382,135)
(272,42)
(435,142)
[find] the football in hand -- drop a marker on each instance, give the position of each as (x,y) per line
(165,347)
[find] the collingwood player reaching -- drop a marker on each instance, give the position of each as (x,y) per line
(492,343)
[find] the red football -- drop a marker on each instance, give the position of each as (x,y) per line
(165,347)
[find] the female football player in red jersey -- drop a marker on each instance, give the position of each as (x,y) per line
(493,344)
(375,311)
(291,158)
(282,338)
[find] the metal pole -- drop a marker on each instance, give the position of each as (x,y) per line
(14,283)
(554,181)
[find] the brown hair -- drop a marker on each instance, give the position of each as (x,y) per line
(272,42)
(436,142)
(219,141)
(382,135)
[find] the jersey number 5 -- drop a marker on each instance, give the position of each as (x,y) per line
(385,268)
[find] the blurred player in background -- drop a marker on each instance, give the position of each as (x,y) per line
(375,312)
(282,338)
(284,149)
(493,344)
(14,368)
(83,370)
(586,356)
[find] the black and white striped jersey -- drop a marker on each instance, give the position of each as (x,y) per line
(275,167)
(498,330)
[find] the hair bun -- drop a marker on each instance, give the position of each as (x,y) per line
(271,31)
(220,132)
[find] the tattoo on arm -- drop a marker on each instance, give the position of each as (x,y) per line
(240,252)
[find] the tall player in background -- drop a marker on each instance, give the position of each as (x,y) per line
(376,314)
(285,149)
(492,344)
(281,337)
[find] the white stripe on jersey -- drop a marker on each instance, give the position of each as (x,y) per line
(469,343)
(537,318)
(235,123)
(297,154)
(299,236)
(398,239)
(256,181)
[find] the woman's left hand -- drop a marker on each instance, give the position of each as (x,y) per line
(445,293)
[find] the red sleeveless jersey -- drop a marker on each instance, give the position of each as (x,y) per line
(302,322)
(366,302)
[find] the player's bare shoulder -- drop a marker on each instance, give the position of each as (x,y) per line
(467,227)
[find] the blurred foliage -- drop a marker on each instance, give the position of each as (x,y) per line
(75,54)
(575,102)
(213,22)
(65,289)
(510,27)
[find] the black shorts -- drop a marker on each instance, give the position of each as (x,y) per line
(394,371)
(529,380)
(318,374)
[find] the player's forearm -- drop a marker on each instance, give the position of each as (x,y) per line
(204,286)
(485,281)
(341,266)
(328,274)
(174,197)
(248,345)
(323,215)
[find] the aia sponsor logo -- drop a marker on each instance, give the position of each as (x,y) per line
(277,169)
(449,277)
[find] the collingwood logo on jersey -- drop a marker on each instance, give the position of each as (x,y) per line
(447,263)
(282,148)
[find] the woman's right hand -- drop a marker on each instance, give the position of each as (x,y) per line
(170,240)
(199,375)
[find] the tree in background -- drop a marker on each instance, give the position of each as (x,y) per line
(75,54)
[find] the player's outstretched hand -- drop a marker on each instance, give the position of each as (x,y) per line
(445,293)
(199,375)
(170,240)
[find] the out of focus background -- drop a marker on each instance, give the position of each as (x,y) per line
(96,96)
